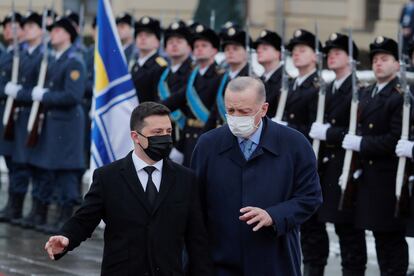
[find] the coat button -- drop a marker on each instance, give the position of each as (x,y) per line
(370,162)
(371,125)
(333,156)
(333,121)
(195,136)
(291,116)
(187,135)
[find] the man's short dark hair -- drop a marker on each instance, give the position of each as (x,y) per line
(145,110)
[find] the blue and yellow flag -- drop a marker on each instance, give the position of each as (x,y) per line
(114,93)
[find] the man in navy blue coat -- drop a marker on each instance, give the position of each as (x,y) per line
(259,183)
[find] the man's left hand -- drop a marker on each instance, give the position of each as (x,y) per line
(255,215)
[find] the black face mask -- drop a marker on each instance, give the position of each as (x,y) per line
(159,147)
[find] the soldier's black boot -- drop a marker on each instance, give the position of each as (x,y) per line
(17,206)
(310,270)
(5,212)
(40,216)
(65,214)
(28,220)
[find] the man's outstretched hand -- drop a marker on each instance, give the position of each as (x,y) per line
(56,245)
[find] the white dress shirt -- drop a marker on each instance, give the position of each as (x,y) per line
(139,165)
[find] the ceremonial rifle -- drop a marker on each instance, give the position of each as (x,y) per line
(346,167)
(405,121)
(285,79)
(36,117)
(322,90)
(10,107)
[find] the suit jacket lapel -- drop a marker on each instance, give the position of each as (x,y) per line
(130,176)
(167,181)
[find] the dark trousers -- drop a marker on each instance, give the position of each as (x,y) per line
(67,182)
(43,183)
(392,252)
(21,178)
(315,246)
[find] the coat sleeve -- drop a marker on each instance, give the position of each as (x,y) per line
(200,262)
(74,87)
(336,134)
(384,144)
(82,224)
(306,193)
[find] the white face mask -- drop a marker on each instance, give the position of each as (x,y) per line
(242,126)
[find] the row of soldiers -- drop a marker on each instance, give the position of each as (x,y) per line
(177,67)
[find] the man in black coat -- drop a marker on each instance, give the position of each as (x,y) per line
(331,158)
(149,65)
(149,204)
(268,55)
(378,130)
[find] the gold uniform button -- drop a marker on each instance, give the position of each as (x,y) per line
(370,162)
(195,136)
(187,135)
(291,116)
(333,156)
(371,125)
(333,121)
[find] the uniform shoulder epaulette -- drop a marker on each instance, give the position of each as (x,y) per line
(161,61)
(398,89)
(220,70)
(315,82)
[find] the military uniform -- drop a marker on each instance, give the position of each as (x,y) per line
(15,202)
(229,35)
(197,99)
(273,82)
(146,75)
(60,147)
(379,125)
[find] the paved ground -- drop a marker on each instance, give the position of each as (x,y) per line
(21,253)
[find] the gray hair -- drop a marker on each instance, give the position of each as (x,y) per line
(241,84)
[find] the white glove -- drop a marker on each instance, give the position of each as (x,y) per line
(37,93)
(352,142)
(177,156)
(318,131)
(279,122)
(11,89)
(404,148)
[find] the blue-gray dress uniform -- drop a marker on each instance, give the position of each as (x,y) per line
(60,146)
(6,59)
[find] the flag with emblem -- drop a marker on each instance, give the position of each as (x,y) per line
(114,93)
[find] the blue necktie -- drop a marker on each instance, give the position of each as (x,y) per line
(247,148)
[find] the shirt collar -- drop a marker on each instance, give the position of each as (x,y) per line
(126,46)
(338,83)
(270,73)
(174,68)
(140,164)
(233,74)
(142,60)
(301,79)
(255,138)
(203,70)
(381,86)
(58,54)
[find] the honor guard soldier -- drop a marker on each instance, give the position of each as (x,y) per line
(14,202)
(201,90)
(300,113)
(378,130)
(233,43)
(50,16)
(76,21)
(174,79)
(125,26)
(30,60)
(300,110)
(149,65)
(59,150)
(331,156)
(268,47)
